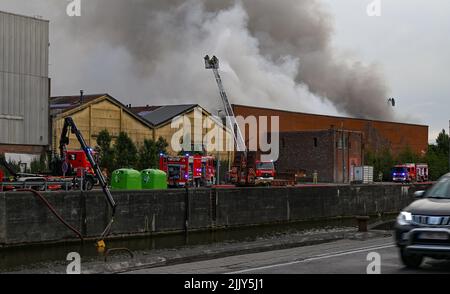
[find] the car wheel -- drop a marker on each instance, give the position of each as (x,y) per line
(411,260)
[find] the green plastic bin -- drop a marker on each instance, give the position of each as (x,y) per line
(126,179)
(154,179)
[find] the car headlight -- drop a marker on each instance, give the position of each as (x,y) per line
(405,218)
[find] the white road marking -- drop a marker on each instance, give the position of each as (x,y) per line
(318,257)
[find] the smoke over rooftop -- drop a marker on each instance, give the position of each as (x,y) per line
(273,54)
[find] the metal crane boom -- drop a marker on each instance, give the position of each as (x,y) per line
(213,63)
(64,141)
(8,167)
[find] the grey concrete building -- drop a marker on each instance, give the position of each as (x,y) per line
(24,86)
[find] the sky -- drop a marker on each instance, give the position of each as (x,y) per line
(409,43)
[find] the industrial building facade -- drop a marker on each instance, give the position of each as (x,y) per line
(93,114)
(377,135)
(24,87)
(97,112)
(330,154)
(162,117)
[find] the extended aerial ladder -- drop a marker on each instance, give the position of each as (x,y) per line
(213,63)
(244,162)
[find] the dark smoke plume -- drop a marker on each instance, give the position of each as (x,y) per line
(273,53)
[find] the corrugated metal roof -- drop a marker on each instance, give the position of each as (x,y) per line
(70,102)
(164,114)
(34,17)
(63,104)
(143,110)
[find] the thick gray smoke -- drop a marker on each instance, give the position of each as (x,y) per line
(273,53)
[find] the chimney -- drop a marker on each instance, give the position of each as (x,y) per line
(81,97)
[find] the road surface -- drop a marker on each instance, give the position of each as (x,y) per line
(341,257)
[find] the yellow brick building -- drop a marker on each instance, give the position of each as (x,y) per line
(168,120)
(94,113)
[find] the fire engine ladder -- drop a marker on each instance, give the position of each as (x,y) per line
(213,63)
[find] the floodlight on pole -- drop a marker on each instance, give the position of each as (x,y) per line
(392,102)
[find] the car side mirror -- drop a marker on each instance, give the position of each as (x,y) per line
(419,194)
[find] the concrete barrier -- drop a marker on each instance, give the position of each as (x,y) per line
(24,219)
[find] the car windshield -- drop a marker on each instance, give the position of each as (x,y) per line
(174,171)
(399,170)
(441,189)
(265,165)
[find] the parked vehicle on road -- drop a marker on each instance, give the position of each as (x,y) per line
(423,228)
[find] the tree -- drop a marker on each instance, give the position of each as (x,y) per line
(382,162)
(407,156)
(39,165)
(437,163)
(125,152)
(104,140)
(437,156)
(442,143)
(106,158)
(161,145)
(148,155)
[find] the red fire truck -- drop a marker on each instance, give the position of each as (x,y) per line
(77,166)
(188,170)
(78,162)
(265,172)
(208,164)
(410,172)
(260,172)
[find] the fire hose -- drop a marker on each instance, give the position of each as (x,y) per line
(53,211)
(100,243)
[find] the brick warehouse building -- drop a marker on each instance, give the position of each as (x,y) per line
(376,134)
(331,153)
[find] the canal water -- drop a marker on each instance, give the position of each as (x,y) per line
(39,256)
